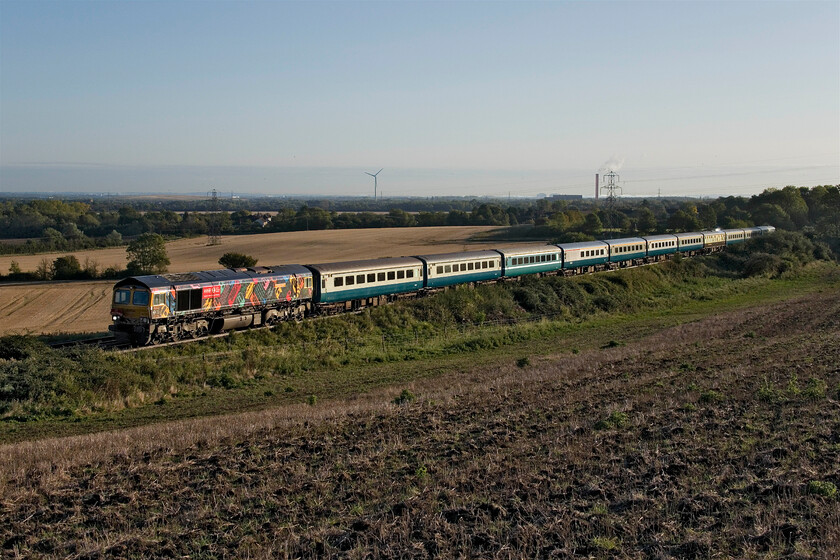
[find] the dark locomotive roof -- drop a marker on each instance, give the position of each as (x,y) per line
(212,276)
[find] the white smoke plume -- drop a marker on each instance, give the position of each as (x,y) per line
(613,164)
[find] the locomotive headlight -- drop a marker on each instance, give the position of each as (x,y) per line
(115,317)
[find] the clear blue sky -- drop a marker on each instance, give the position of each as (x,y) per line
(471,98)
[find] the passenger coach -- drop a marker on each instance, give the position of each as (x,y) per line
(447,269)
(533,259)
(583,255)
(627,249)
(356,284)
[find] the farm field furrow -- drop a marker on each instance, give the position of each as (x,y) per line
(713,438)
(47,308)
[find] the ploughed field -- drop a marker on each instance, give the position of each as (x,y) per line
(716,438)
(73,307)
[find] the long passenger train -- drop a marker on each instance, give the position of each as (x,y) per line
(156,309)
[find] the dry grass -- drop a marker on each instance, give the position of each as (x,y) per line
(503,462)
(84,306)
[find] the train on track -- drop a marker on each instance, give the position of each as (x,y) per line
(157,309)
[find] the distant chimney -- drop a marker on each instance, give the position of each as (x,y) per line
(596,186)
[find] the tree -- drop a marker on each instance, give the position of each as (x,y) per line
(147,255)
(646,220)
(114,238)
(237,260)
(66,268)
(592,225)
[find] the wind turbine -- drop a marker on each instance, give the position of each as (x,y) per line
(374,181)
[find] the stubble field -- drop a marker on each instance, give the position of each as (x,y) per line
(716,438)
(73,307)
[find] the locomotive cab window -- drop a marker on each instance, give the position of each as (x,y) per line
(140,298)
(159,299)
(122,296)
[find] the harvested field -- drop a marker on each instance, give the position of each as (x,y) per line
(70,307)
(717,438)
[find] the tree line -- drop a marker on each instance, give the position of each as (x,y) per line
(55,225)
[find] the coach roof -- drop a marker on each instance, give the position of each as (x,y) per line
(365,265)
(465,256)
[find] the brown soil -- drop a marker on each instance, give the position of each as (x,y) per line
(84,306)
(707,440)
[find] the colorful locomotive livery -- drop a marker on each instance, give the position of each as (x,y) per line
(162,308)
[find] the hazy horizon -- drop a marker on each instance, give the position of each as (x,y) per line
(473,99)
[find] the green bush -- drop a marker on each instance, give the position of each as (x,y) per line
(405,397)
(822,488)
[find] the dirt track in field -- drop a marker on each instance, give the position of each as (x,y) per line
(56,307)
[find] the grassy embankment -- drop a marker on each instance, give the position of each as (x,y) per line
(47,393)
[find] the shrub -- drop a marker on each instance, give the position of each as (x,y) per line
(405,397)
(816,388)
(616,419)
(710,396)
(237,260)
(523,362)
(822,488)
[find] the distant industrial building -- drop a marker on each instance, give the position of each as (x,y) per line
(566,197)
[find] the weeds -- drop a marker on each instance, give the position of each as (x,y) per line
(822,488)
(405,397)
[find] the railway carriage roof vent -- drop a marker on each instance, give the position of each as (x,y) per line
(182,277)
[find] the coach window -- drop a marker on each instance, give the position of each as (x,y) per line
(360,279)
(447,269)
(400,275)
(463,267)
(380,276)
(371,277)
(440,270)
(409,273)
(392,275)
(349,280)
(339,282)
